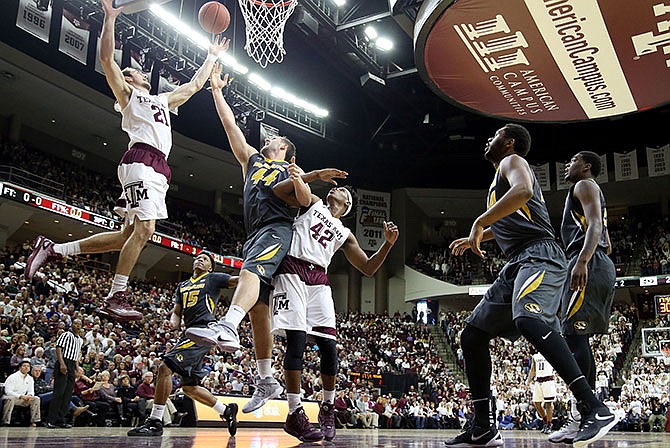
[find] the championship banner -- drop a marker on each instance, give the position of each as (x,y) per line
(603,177)
(658,161)
(34,16)
(74,35)
(561,183)
(546,60)
(373,209)
(542,175)
(625,166)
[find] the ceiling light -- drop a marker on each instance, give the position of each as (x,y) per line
(259,81)
(178,257)
(339,2)
(104,143)
(69,234)
(371,33)
(190,175)
(177,265)
(384,44)
(230,186)
(56,221)
(90,231)
(442,212)
(53,121)
(26,222)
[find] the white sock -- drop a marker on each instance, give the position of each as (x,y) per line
(293,402)
(264,367)
(219,407)
(67,249)
(328,396)
(157,412)
(118,284)
(234,316)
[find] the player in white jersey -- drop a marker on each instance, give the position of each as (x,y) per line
(302,303)
(143,171)
(544,390)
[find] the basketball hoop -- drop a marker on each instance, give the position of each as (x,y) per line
(265,22)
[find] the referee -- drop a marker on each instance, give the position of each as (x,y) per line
(68,352)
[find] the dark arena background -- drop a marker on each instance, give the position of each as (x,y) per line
(403,95)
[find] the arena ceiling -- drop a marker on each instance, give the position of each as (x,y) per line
(387,136)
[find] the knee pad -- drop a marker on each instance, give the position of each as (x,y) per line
(329,361)
(295,348)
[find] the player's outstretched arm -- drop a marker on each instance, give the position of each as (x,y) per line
(238,143)
(294,191)
(113,74)
(185,91)
(358,258)
(325,174)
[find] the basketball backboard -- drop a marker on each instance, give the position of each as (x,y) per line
(133,6)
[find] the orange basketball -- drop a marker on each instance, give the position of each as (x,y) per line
(214,17)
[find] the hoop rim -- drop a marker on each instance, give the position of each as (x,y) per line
(271,4)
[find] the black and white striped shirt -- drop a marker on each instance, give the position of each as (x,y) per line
(70,344)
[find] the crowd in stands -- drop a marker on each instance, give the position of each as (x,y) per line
(632,240)
(192,223)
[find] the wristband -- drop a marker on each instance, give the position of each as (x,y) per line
(211,57)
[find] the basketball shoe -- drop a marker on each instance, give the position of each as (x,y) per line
(569,430)
(477,436)
(327,420)
(117,306)
(43,252)
(230,417)
(596,421)
(298,425)
(150,428)
(215,333)
(266,390)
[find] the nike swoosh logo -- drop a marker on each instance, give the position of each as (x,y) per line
(607,417)
(546,336)
(474,439)
(276,237)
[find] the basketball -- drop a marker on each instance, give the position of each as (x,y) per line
(214,17)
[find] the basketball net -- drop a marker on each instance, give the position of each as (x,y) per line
(265,22)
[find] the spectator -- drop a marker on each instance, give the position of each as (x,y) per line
(20,391)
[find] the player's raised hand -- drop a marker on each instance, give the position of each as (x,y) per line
(459,246)
(330,174)
(110,10)
(220,45)
(215,78)
(391,232)
(294,171)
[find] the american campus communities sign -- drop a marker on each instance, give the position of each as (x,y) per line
(546,60)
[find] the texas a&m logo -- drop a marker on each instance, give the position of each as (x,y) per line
(135,192)
(279,303)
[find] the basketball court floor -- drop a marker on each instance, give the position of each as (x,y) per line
(276,438)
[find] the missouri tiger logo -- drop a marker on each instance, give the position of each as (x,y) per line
(179,357)
(580,325)
(533,308)
(260,269)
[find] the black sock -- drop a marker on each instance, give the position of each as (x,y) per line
(477,357)
(581,349)
(555,350)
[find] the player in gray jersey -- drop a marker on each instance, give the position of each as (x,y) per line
(589,289)
(525,297)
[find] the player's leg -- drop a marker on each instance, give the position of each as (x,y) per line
(228,413)
(46,250)
(549,410)
(538,283)
(321,322)
(493,313)
(153,425)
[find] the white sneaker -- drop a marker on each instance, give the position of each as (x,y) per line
(266,390)
(216,333)
(566,434)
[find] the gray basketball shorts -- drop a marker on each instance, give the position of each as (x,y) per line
(529,285)
(185,359)
(587,311)
(264,252)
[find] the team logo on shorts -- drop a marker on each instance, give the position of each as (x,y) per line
(533,308)
(179,357)
(580,325)
(135,192)
(260,269)
(279,303)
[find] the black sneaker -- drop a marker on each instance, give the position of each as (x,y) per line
(230,416)
(596,422)
(150,428)
(477,436)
